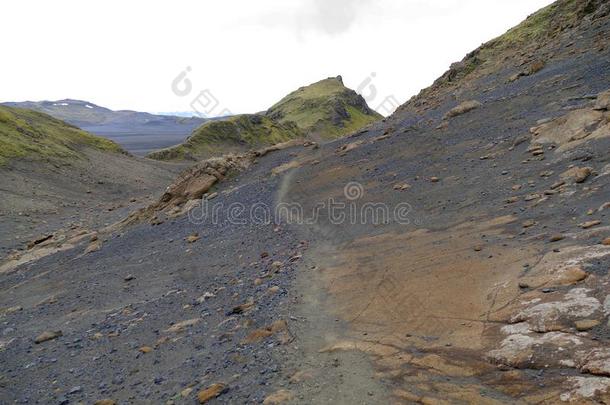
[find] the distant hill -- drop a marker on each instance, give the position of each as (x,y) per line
(326,108)
(323,110)
(138,132)
(37,136)
(234,134)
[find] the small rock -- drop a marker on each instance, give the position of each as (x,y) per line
(529,223)
(206,295)
(590,224)
(240,309)
(578,174)
(93,247)
(145,349)
(557,185)
(603,101)
(105,401)
(556,238)
(434,179)
(586,324)
(48,335)
(278,397)
(213,391)
(606,242)
(180,326)
(129,277)
(462,108)
(571,275)
(193,238)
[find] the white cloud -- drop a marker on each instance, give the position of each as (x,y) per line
(124,55)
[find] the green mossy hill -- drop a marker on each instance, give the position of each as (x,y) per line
(37,136)
(235,134)
(327,109)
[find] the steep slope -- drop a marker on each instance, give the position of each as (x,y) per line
(470,265)
(235,134)
(326,108)
(138,132)
(51,171)
(37,136)
(323,110)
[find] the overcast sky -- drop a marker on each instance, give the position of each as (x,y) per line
(248,54)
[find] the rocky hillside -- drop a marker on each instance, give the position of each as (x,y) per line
(323,110)
(235,134)
(465,259)
(51,171)
(137,132)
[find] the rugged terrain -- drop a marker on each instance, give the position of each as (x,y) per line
(137,132)
(470,265)
(323,110)
(54,175)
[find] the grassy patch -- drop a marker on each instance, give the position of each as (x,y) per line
(326,108)
(37,136)
(237,133)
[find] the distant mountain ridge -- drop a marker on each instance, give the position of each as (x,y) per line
(84,113)
(137,132)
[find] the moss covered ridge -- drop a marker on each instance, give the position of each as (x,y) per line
(325,109)
(522,42)
(235,134)
(38,136)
